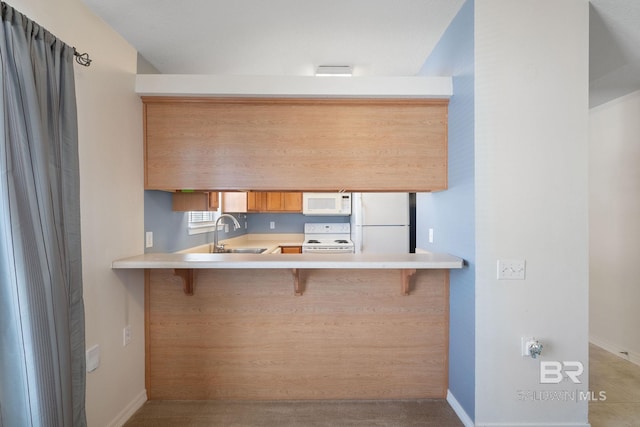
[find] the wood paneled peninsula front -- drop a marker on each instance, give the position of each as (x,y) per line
(296,326)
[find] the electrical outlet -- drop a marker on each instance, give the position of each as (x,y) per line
(126,335)
(272,225)
(511,269)
(148,239)
(431,235)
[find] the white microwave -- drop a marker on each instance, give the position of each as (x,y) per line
(326,204)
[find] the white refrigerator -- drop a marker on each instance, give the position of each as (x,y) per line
(380,222)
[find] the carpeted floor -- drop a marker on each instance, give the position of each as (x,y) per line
(619,379)
(404,413)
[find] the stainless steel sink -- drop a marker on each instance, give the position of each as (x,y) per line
(243,251)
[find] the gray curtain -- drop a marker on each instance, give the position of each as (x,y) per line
(42,365)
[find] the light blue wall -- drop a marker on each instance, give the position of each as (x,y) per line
(286,223)
(451,213)
(170,228)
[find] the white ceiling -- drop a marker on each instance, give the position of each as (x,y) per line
(376,37)
(280,37)
(614,49)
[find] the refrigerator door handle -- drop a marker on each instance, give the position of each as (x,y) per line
(361,222)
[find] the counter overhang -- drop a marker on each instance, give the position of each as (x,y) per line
(420,261)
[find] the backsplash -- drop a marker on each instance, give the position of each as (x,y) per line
(170,228)
(286,222)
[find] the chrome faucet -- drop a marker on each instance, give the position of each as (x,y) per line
(217,247)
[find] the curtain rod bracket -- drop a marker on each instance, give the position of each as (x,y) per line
(82,58)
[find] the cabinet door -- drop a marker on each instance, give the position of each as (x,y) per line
(194,201)
(292,202)
(234,202)
(261,201)
(291,249)
(274,202)
(214,201)
(256,201)
(284,201)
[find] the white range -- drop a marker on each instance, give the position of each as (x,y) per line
(327,238)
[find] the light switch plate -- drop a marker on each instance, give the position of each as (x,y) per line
(148,239)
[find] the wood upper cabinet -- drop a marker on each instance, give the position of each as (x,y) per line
(256,201)
(195,201)
(234,202)
(285,201)
(267,144)
(262,201)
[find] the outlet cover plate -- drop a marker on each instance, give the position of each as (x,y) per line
(126,335)
(524,345)
(511,269)
(93,358)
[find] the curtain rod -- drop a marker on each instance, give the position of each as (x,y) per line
(81,58)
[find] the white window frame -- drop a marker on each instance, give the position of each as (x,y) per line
(199,222)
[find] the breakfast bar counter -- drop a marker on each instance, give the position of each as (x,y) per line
(354,326)
(185,263)
(322,261)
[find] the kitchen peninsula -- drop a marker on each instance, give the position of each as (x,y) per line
(296,326)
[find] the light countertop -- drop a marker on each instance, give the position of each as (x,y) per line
(269,241)
(291,261)
(199,257)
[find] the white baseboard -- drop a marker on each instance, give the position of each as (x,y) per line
(633,357)
(466,419)
(129,410)
(459,410)
(534,425)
